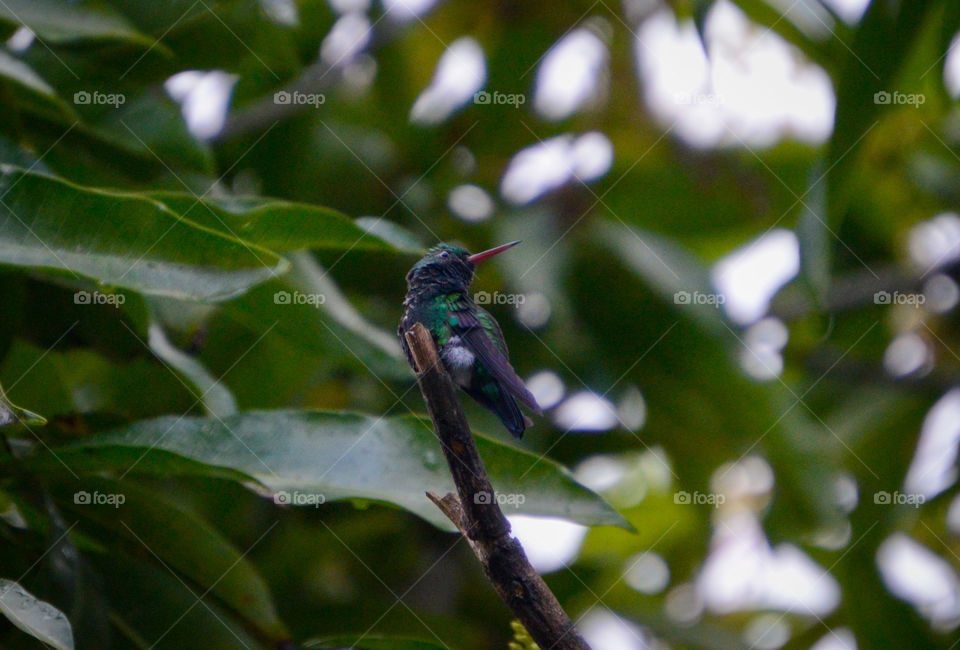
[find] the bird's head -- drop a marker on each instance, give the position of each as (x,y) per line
(450,266)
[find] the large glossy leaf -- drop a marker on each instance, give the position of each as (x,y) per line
(397,235)
(150,125)
(165,528)
(211,392)
(122,240)
(274,224)
(152,607)
(33,91)
(311,331)
(84,462)
(66,22)
(37,618)
(311,278)
(81,381)
(349,456)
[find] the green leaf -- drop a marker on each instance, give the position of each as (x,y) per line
(878,452)
(669,269)
(82,381)
(815,248)
(38,618)
(18,71)
(137,243)
(68,22)
(311,331)
(307,275)
(152,608)
(215,396)
(10,413)
(401,238)
(352,456)
(179,538)
(883,43)
(272,223)
(87,461)
(150,125)
(37,91)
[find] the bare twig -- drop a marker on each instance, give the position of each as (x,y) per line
(476,513)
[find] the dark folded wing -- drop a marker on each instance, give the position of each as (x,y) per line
(480,332)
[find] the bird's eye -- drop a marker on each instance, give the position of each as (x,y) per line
(444,255)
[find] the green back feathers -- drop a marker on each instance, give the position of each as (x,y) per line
(443,316)
(445,319)
(492,329)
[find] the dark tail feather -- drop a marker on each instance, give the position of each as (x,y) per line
(527,399)
(505,408)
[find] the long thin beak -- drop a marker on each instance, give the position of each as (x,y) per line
(476,258)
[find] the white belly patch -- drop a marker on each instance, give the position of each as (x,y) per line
(459,361)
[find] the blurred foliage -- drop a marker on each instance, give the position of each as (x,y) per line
(201,328)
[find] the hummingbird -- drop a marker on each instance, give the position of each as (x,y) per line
(468,339)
